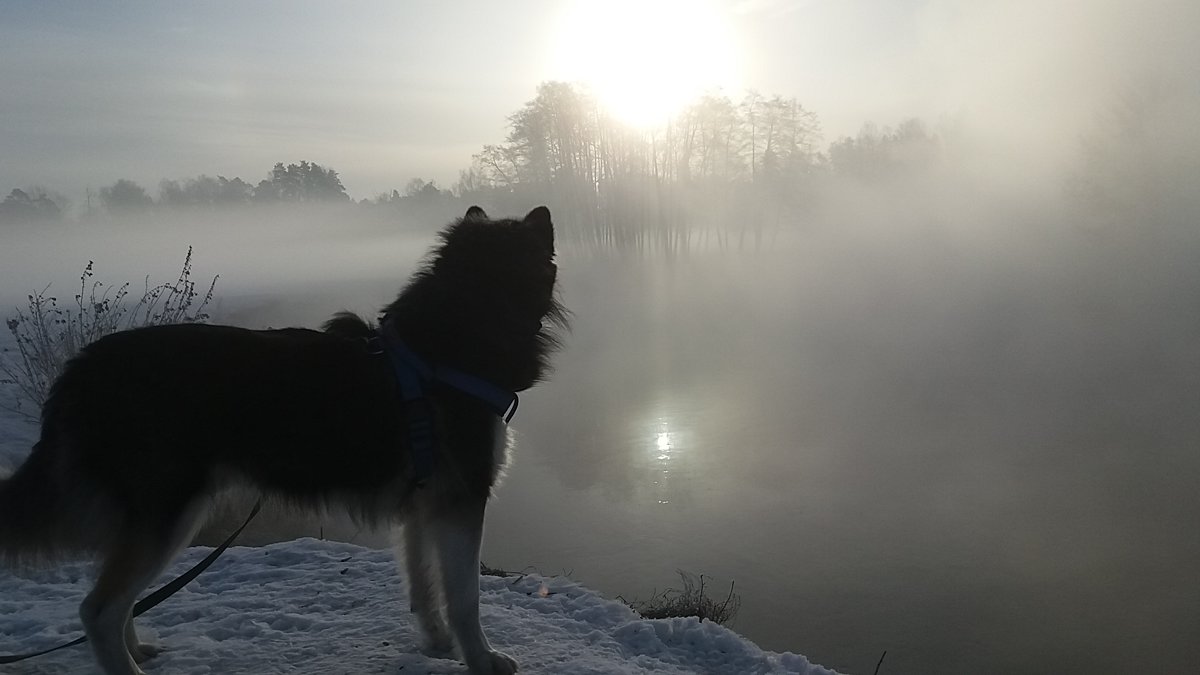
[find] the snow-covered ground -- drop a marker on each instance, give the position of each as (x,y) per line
(311,606)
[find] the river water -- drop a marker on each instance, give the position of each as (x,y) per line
(979,465)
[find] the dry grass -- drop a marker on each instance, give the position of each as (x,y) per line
(48,335)
(691,600)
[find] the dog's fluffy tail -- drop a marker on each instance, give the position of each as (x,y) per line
(29,510)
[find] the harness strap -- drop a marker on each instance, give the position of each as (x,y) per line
(152,600)
(413,373)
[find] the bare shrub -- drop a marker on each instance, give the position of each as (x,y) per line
(47,334)
(691,600)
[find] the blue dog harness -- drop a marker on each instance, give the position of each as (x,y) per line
(413,375)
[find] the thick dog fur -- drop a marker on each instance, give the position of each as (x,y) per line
(144,427)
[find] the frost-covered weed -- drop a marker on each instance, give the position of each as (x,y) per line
(47,334)
(691,600)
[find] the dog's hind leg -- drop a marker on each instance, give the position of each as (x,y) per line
(424,598)
(457,535)
(134,560)
(139,651)
(106,611)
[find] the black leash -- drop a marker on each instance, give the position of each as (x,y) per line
(150,601)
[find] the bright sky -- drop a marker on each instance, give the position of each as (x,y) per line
(385,91)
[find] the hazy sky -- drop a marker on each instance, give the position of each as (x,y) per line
(385,91)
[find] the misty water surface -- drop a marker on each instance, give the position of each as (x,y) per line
(965,435)
(975,454)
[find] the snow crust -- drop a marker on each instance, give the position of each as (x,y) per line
(312,606)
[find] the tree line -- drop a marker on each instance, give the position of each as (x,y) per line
(721,165)
(302,182)
(564,145)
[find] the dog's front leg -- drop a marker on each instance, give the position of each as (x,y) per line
(457,535)
(424,598)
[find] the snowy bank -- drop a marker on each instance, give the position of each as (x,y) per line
(311,606)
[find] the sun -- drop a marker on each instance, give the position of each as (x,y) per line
(645,60)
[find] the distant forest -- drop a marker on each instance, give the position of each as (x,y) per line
(721,166)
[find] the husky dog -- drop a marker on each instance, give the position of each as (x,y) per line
(145,426)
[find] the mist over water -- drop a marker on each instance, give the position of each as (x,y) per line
(969,440)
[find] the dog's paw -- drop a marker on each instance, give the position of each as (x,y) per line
(144,651)
(437,640)
(502,664)
(440,647)
(491,663)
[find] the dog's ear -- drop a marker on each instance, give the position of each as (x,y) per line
(539,220)
(475,213)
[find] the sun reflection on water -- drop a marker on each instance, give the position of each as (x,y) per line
(663,449)
(664,442)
